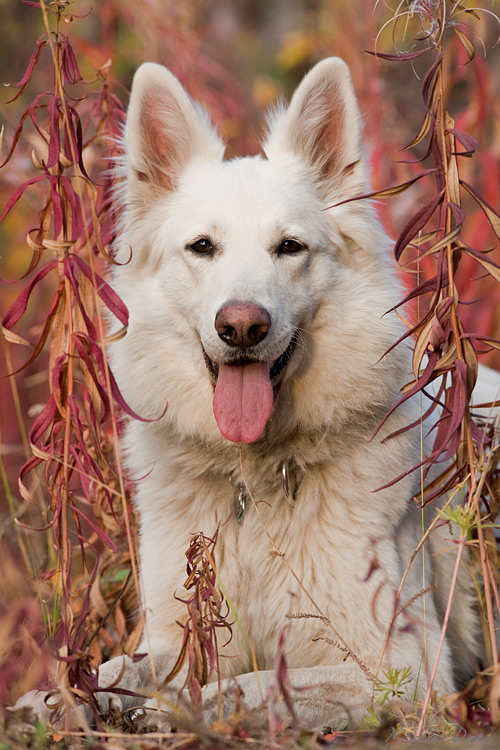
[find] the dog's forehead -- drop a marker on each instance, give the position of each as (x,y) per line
(253,191)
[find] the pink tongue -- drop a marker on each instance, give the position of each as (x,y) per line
(243,401)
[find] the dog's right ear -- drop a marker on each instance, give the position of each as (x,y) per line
(165,129)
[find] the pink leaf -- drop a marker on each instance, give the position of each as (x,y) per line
(416,223)
(77,224)
(40,44)
(468,142)
(400,56)
(54,141)
(18,194)
(18,308)
(69,64)
(43,421)
(105,292)
(428,82)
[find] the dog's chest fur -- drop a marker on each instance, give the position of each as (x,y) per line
(336,536)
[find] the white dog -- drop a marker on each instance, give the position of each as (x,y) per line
(257,315)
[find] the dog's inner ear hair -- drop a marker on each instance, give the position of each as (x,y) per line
(164,138)
(321,130)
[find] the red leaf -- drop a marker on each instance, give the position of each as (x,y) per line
(41,42)
(105,538)
(416,223)
(105,292)
(434,284)
(79,343)
(75,132)
(387,192)
(17,135)
(44,335)
(400,56)
(54,141)
(18,194)
(428,82)
(43,421)
(68,272)
(449,428)
(492,216)
(468,142)
(18,308)
(77,225)
(70,68)
(425,378)
(57,206)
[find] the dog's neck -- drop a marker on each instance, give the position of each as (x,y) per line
(290,479)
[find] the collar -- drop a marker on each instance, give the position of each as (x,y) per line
(241,499)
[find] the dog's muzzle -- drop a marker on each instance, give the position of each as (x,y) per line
(245,389)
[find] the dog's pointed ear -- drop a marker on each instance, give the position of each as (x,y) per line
(165,129)
(322,126)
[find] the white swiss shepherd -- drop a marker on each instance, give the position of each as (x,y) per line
(257,314)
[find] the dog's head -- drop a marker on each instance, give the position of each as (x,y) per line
(233,262)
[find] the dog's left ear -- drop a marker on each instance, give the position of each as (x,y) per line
(322,126)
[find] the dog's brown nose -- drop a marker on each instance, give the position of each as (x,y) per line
(242,324)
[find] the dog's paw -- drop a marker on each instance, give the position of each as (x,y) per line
(153,716)
(35,707)
(122,674)
(50,707)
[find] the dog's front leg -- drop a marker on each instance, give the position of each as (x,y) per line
(137,679)
(337,695)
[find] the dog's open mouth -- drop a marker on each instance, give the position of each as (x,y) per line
(244,393)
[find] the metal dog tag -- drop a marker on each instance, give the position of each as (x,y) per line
(287,488)
(240,502)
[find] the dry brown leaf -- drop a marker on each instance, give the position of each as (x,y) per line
(443,242)
(470,357)
(453,178)
(466,43)
(495,695)
(97,601)
(13,338)
(421,345)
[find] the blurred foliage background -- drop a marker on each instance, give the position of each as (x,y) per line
(236,57)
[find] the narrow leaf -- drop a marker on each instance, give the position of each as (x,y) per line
(491,214)
(40,44)
(70,67)
(491,267)
(424,129)
(399,56)
(54,142)
(105,292)
(448,239)
(429,82)
(466,43)
(387,192)
(416,223)
(16,137)
(468,142)
(18,307)
(13,338)
(18,194)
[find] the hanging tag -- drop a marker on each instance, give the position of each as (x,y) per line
(240,502)
(287,489)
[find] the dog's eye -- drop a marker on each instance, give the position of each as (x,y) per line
(202,246)
(289,247)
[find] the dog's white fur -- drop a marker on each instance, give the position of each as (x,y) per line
(348,544)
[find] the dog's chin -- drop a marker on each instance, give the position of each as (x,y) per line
(276,371)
